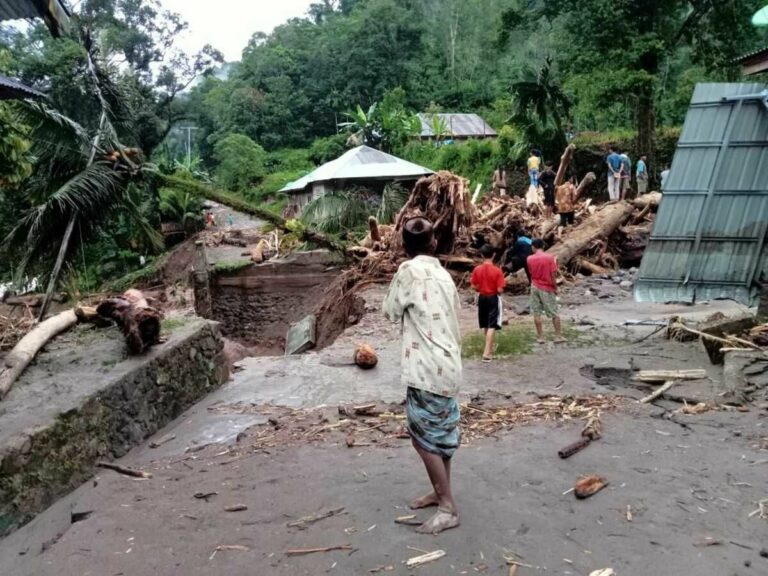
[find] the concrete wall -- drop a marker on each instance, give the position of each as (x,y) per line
(84,400)
(257,304)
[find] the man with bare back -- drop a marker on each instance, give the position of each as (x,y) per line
(424,299)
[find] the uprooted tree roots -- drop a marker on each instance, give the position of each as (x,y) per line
(601,239)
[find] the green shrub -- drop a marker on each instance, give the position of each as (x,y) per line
(326,149)
(289,159)
(241,162)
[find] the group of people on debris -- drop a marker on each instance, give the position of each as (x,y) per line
(563,199)
(424,300)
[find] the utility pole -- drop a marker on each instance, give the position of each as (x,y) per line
(189,130)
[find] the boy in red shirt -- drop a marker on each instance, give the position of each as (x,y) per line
(543,269)
(488,280)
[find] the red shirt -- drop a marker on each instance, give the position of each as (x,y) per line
(488,279)
(541,266)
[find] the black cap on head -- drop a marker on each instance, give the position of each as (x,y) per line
(538,243)
(487,251)
(418,236)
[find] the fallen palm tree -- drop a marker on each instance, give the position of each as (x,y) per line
(235,202)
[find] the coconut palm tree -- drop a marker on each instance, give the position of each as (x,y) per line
(80,180)
(538,97)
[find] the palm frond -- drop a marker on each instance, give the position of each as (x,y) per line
(338,211)
(55,137)
(393,199)
(137,208)
(92,194)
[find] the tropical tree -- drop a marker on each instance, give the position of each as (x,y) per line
(241,162)
(80,180)
(537,97)
(182,207)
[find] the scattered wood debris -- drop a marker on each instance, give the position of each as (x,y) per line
(225,547)
(305,521)
(302,551)
(161,441)
(386,425)
(425,558)
(236,508)
(652,376)
(658,392)
(124,470)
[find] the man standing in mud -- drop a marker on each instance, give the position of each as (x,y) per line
(424,299)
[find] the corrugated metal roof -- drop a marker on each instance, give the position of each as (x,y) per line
(360,163)
(12,90)
(53,12)
(457,125)
(708,240)
(749,56)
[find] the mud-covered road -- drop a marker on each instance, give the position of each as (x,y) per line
(682,498)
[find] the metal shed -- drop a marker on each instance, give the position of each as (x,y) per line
(459,126)
(708,240)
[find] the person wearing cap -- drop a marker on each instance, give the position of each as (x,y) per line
(424,300)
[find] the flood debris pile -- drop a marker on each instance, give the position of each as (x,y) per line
(384,425)
(602,239)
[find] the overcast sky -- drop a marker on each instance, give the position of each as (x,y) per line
(229,24)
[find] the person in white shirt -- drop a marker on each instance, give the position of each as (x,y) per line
(424,299)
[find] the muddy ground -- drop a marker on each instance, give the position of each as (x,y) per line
(691,483)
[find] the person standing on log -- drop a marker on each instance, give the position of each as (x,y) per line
(566,204)
(641,175)
(626,173)
(424,299)
(500,181)
(614,174)
(534,165)
(488,280)
(547,181)
(543,269)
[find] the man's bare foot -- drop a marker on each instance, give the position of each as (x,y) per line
(424,502)
(442,520)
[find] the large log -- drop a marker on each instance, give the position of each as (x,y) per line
(25,351)
(652,199)
(585,183)
(601,224)
(140,324)
(565,161)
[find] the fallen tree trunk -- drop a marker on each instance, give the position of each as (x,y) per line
(652,199)
(25,351)
(140,324)
(241,205)
(585,183)
(599,225)
(565,161)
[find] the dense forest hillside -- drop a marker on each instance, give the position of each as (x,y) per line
(350,71)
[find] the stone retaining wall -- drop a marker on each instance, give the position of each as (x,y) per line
(86,400)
